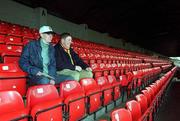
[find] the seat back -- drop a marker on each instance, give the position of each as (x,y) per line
(74,98)
(41,93)
(121,114)
(12,40)
(148,96)
(106,88)
(45,103)
(93,94)
(102,81)
(12,106)
(112,81)
(135,109)
(12,78)
(10,67)
(88,84)
(143,102)
(123,80)
(68,88)
(10,101)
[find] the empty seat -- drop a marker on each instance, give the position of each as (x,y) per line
(97,69)
(106,88)
(142,101)
(93,94)
(4,27)
(116,87)
(12,78)
(121,114)
(12,107)
(148,96)
(10,53)
(44,103)
(10,57)
(2,37)
(12,40)
(124,85)
(10,48)
(135,109)
(74,98)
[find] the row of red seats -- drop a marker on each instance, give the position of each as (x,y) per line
(146,103)
(19,35)
(44,103)
(98,54)
(12,77)
(17,30)
(18,40)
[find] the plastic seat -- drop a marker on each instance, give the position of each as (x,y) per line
(4,27)
(74,98)
(26,33)
(93,94)
(96,69)
(142,101)
(106,89)
(44,103)
(2,37)
(10,53)
(12,78)
(15,30)
(124,85)
(135,109)
(12,40)
(148,96)
(121,114)
(10,48)
(12,107)
(10,57)
(116,87)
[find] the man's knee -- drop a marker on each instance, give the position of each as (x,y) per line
(90,74)
(75,75)
(86,74)
(60,78)
(43,81)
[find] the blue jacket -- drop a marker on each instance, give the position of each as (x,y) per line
(63,60)
(31,59)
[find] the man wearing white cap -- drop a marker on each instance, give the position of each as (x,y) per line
(37,59)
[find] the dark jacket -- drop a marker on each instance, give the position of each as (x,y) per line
(31,59)
(63,60)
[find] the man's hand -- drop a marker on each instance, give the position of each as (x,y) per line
(78,68)
(39,73)
(88,69)
(52,82)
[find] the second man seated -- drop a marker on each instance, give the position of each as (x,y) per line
(68,62)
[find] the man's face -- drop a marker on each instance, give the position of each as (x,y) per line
(47,37)
(66,42)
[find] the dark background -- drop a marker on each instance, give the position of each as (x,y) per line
(151,24)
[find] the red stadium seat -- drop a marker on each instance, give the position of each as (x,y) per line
(44,103)
(116,87)
(106,89)
(74,98)
(12,78)
(12,40)
(135,109)
(93,94)
(121,114)
(2,37)
(12,107)
(142,101)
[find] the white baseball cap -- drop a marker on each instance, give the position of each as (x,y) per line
(46,29)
